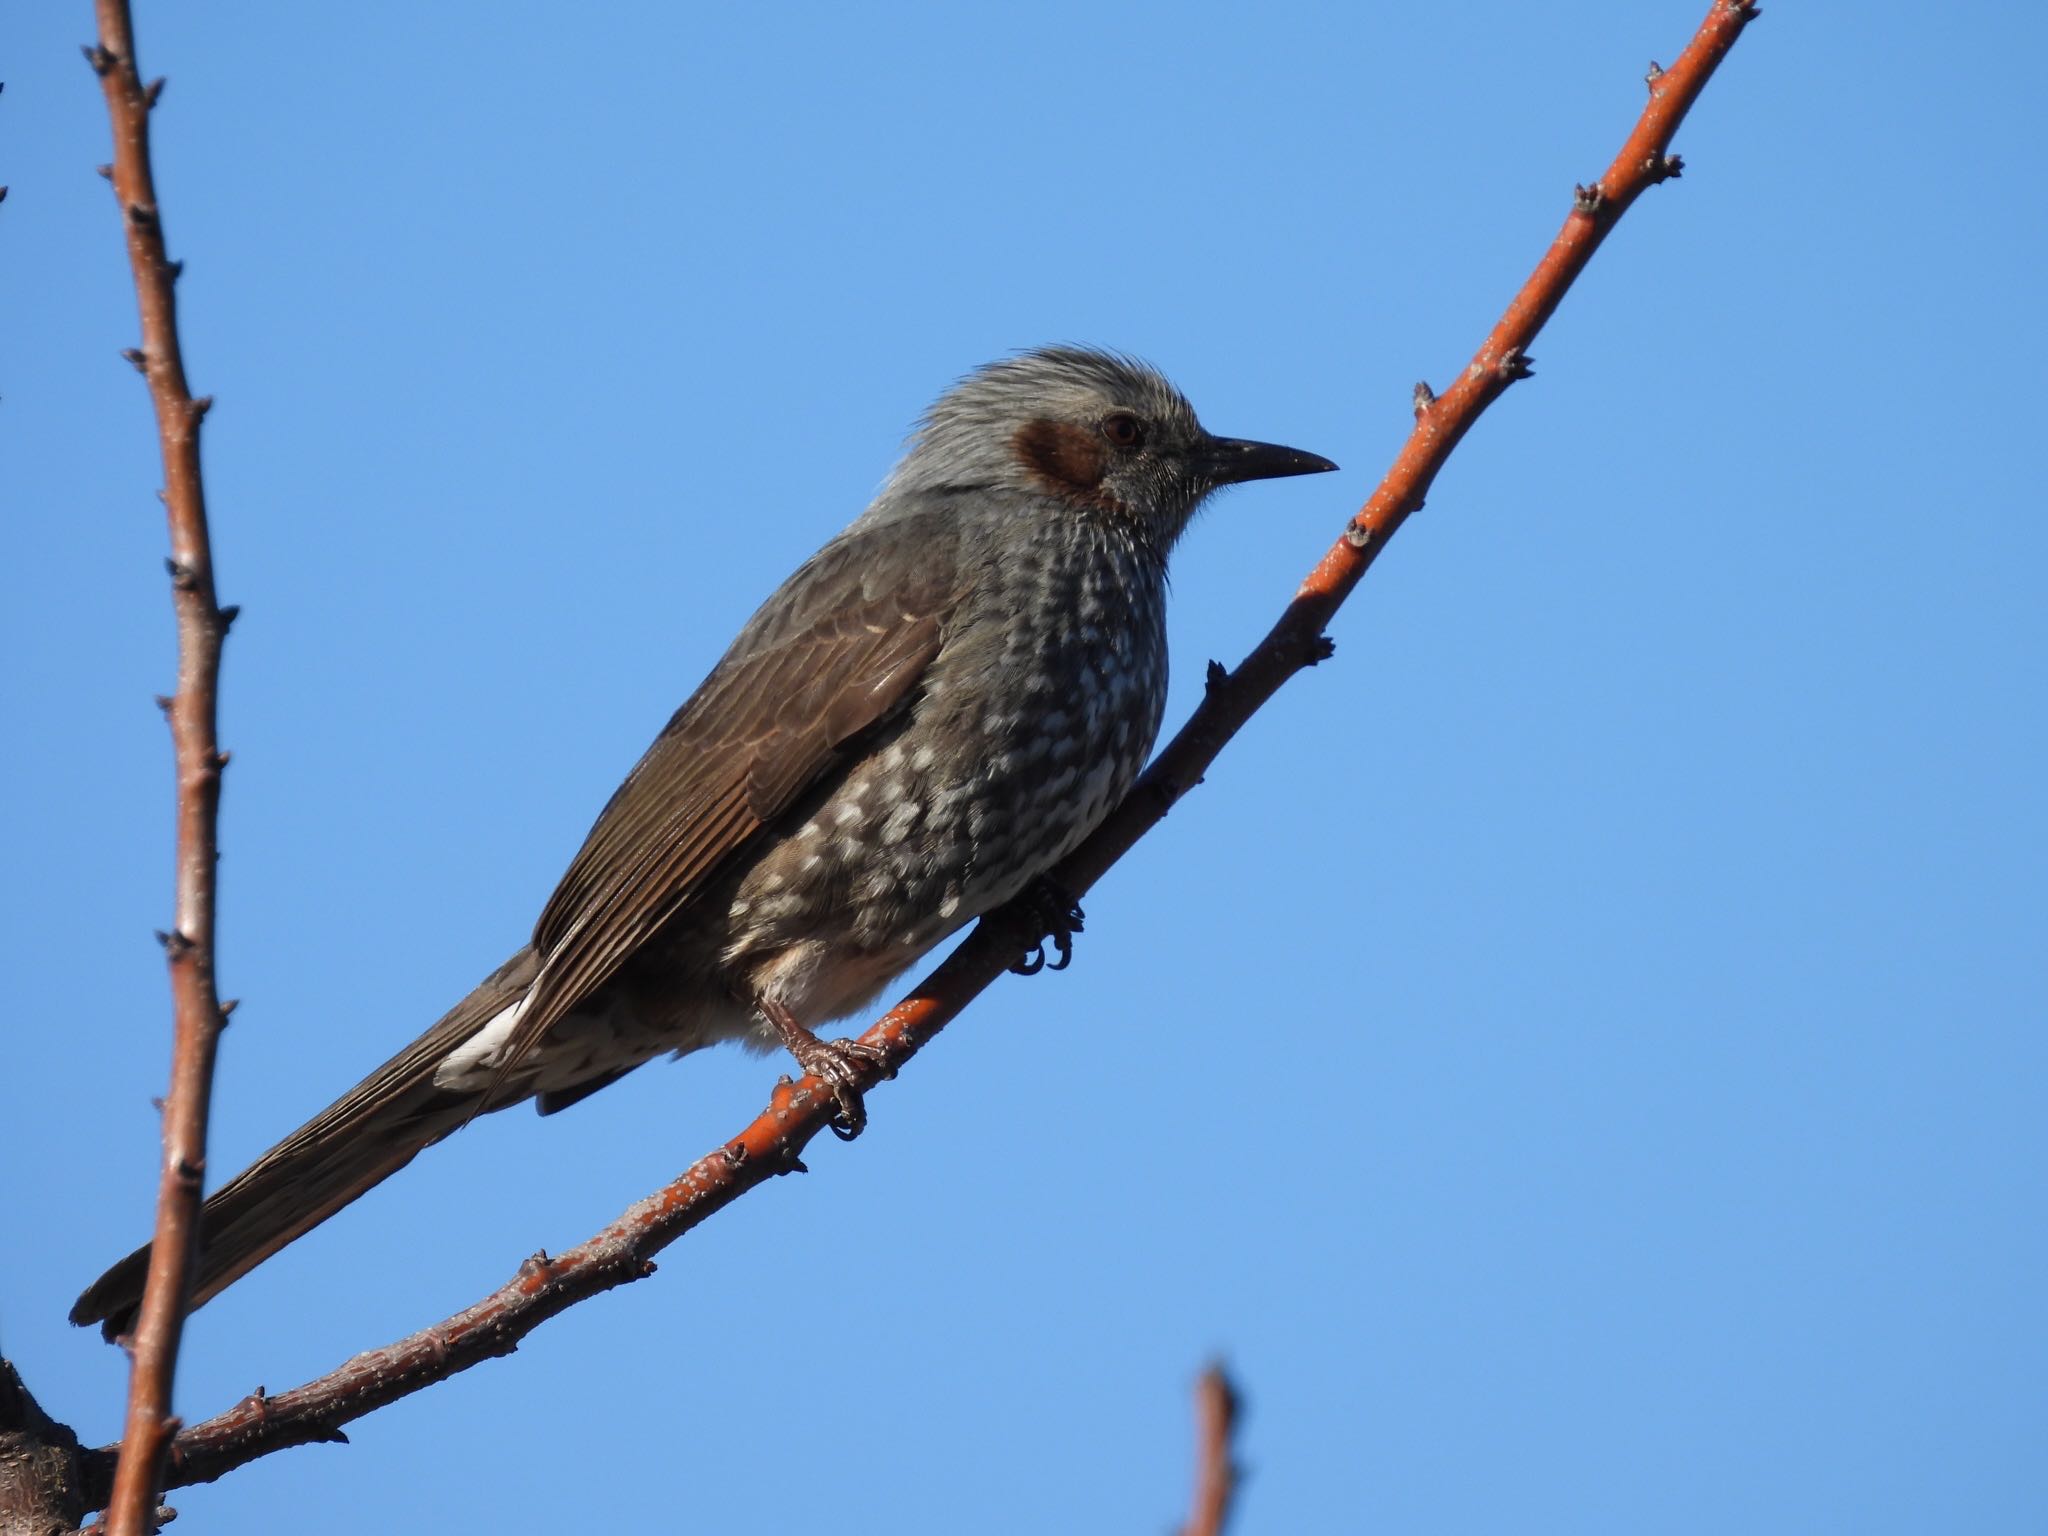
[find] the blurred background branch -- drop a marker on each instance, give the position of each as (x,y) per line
(1217,1474)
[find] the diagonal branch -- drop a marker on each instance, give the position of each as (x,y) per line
(774,1142)
(193,711)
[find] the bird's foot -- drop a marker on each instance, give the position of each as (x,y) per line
(1055,917)
(842,1063)
(839,1064)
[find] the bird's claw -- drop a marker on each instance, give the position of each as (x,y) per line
(1057,917)
(840,1064)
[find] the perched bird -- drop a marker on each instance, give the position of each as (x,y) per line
(928,715)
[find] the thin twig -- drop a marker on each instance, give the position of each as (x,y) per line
(774,1143)
(192,710)
(1216,1469)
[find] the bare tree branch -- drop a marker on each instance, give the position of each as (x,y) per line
(774,1142)
(192,711)
(1216,1470)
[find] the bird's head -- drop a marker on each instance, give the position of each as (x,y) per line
(1094,433)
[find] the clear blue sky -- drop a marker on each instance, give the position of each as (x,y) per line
(1581,1057)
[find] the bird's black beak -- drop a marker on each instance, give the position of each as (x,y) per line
(1233,460)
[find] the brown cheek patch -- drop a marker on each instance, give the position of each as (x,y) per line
(1067,460)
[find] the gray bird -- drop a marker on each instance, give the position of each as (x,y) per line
(932,712)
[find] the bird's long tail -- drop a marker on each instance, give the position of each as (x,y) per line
(351,1146)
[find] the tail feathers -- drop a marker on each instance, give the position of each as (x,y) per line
(350,1147)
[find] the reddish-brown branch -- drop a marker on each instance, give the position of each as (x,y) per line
(1216,1469)
(775,1141)
(192,710)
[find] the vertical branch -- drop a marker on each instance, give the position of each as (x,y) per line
(1216,1469)
(192,711)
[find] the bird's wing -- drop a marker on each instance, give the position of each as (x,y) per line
(839,649)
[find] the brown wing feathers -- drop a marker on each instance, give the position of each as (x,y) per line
(765,727)
(848,640)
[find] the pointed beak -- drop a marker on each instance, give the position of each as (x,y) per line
(1233,460)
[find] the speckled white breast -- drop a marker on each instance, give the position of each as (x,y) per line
(1031,725)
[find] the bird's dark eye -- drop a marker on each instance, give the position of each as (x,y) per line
(1123,429)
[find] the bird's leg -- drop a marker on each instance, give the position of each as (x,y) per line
(838,1062)
(1055,917)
